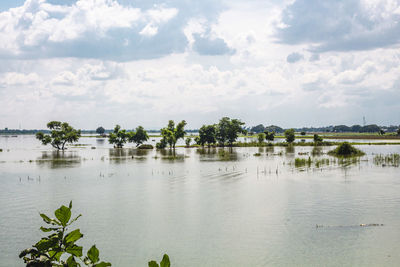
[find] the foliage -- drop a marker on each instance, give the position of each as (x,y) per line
(171,134)
(207,135)
(398,131)
(197,140)
(138,136)
(317,138)
(381,132)
(145,146)
(269,136)
(258,129)
(162,144)
(273,128)
(100,130)
(61,133)
(289,135)
(164,262)
(227,130)
(345,149)
(303,133)
(188,141)
(118,137)
(60,248)
(261,137)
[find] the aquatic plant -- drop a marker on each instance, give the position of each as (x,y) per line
(346,150)
(60,248)
(387,160)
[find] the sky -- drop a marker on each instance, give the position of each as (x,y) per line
(291,63)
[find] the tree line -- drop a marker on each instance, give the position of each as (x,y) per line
(223,133)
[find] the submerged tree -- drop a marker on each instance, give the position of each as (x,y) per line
(289,135)
(61,133)
(172,134)
(118,137)
(317,138)
(207,135)
(100,130)
(139,136)
(269,136)
(261,137)
(228,130)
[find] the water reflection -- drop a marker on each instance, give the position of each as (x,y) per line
(59,159)
(170,154)
(123,154)
(217,154)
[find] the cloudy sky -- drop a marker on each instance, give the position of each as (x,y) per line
(142,62)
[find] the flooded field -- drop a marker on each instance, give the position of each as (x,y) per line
(207,207)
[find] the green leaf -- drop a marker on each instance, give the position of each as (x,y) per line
(74,250)
(55,254)
(63,214)
(44,229)
(74,219)
(47,220)
(102,264)
(153,264)
(73,236)
(165,261)
(70,205)
(45,243)
(93,254)
(71,262)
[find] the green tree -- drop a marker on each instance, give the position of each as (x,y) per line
(49,250)
(118,137)
(207,135)
(61,133)
(100,130)
(398,131)
(261,137)
(269,136)
(138,136)
(227,130)
(289,135)
(188,141)
(317,138)
(303,133)
(172,134)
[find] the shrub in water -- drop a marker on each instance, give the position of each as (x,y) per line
(345,149)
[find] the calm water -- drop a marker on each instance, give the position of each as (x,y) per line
(206,207)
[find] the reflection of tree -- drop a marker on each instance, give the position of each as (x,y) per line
(125,153)
(59,159)
(289,149)
(270,149)
(212,154)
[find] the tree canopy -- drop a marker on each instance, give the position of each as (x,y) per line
(60,134)
(100,130)
(207,135)
(289,135)
(119,137)
(227,130)
(171,134)
(257,129)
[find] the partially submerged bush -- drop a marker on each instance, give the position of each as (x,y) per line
(346,150)
(145,146)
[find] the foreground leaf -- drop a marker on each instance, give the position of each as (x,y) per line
(74,250)
(153,264)
(63,214)
(93,254)
(73,236)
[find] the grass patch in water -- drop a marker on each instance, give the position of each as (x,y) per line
(392,160)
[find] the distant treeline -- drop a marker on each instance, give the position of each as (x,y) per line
(372,128)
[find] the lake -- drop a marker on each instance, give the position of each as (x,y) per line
(205,207)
